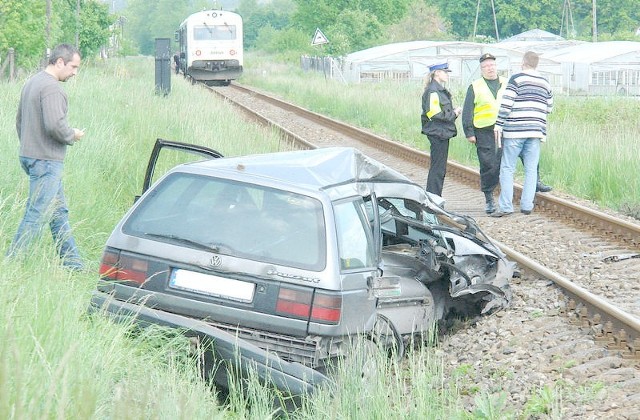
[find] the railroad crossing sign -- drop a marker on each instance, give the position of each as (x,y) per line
(319,38)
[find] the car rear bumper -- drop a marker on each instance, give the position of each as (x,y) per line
(292,378)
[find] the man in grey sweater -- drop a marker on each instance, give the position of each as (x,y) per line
(44,134)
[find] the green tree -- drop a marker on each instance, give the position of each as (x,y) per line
(90,23)
(421,22)
(354,30)
(22,24)
(310,15)
(616,18)
(256,16)
(516,17)
(349,24)
(151,19)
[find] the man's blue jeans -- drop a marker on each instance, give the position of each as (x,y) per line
(46,204)
(511,149)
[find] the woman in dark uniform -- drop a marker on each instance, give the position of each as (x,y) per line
(438,124)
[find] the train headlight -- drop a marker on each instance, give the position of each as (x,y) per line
(198,52)
(232,52)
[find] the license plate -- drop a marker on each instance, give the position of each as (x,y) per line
(212,285)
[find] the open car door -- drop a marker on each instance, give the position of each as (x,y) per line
(199,151)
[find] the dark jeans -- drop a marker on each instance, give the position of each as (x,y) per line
(438,166)
(489,158)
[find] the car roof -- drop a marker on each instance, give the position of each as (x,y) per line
(317,168)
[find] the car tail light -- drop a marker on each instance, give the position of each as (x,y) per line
(302,304)
(118,267)
(295,303)
(326,308)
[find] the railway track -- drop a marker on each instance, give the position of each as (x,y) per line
(591,315)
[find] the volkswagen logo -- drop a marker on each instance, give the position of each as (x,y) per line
(215,261)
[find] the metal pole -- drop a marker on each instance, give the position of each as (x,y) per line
(495,21)
(47,31)
(595,22)
(475,24)
(77,23)
(12,64)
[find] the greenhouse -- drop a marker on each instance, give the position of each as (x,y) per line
(573,67)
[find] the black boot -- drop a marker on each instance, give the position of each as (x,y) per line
(540,187)
(490,206)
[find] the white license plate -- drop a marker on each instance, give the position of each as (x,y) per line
(212,285)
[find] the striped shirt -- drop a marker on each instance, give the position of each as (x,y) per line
(525,104)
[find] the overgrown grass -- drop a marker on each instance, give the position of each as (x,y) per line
(58,362)
(591,150)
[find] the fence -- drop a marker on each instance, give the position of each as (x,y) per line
(329,66)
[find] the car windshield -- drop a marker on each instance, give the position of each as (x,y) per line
(233,218)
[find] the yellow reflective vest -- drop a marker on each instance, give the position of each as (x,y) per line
(486,107)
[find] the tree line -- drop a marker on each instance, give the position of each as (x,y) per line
(287,26)
(31,27)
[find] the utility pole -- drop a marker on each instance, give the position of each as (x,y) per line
(77,23)
(495,21)
(567,16)
(595,22)
(47,31)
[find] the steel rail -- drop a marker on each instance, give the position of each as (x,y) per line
(623,332)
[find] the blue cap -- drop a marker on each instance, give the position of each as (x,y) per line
(441,66)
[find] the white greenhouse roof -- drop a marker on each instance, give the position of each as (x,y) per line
(398,48)
(594,52)
(534,35)
(558,51)
(540,47)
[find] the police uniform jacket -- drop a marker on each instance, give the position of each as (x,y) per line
(438,118)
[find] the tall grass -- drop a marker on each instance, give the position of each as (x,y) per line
(592,150)
(56,361)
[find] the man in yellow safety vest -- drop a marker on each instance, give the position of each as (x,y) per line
(479,115)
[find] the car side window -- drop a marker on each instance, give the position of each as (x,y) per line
(355,240)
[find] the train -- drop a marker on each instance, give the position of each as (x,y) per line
(210,47)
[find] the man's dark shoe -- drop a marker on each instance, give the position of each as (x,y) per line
(501,214)
(490,207)
(540,187)
(525,212)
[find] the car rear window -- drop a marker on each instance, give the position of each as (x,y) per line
(233,218)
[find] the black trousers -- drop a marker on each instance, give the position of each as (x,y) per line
(438,166)
(489,157)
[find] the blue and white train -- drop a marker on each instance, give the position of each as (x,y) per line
(211,47)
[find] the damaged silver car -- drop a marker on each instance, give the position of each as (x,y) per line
(285,259)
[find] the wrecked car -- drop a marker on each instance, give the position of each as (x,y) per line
(284,259)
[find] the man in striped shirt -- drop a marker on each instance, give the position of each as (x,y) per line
(520,128)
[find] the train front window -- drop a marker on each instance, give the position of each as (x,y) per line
(214,33)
